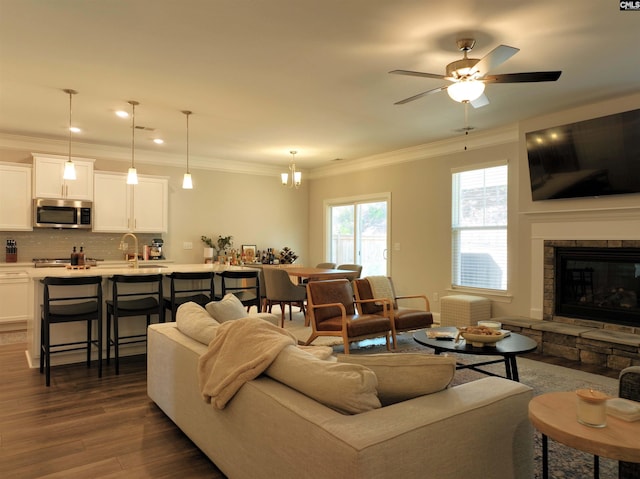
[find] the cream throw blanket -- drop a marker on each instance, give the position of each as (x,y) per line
(241,350)
(381,287)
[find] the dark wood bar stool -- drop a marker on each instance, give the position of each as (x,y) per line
(61,306)
(186,287)
(127,301)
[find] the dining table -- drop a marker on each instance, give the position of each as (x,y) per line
(315,274)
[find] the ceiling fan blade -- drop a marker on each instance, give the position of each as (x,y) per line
(494,58)
(420,95)
(418,74)
(479,102)
(523,77)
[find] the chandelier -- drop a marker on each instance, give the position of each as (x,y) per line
(294,178)
(69,167)
(132,175)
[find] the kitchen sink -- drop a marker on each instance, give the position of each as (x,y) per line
(145,266)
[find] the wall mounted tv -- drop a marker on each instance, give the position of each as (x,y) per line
(589,158)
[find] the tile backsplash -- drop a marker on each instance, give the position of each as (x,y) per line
(53,243)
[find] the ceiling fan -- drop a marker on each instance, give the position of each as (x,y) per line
(469,75)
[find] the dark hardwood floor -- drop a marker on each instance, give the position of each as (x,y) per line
(86,427)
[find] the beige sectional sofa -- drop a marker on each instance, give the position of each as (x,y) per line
(268,429)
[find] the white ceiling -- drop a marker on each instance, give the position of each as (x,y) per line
(266,77)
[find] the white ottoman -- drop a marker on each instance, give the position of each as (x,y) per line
(464,310)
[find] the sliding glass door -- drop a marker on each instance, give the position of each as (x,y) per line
(358,232)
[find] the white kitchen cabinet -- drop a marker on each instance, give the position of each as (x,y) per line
(119,208)
(48,179)
(15,198)
(14,299)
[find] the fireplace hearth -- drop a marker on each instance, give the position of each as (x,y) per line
(593,282)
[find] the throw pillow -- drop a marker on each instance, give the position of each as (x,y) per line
(230,307)
(405,376)
(347,388)
(194,321)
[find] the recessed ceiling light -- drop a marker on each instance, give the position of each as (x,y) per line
(75,129)
(158,141)
(122,114)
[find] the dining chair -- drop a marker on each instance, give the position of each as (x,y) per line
(244,284)
(404,318)
(132,296)
(356,268)
(332,312)
(280,289)
(189,287)
(66,300)
(326,265)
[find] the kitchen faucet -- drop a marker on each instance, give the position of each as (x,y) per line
(126,249)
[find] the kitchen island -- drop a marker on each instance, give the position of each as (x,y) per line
(61,332)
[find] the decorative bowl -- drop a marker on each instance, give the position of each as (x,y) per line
(480,336)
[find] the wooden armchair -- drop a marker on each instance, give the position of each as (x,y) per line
(331,309)
(404,319)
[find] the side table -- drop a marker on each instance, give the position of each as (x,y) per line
(554,415)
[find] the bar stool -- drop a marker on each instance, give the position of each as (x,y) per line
(183,290)
(72,307)
(127,303)
(244,284)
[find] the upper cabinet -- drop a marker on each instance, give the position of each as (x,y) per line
(48,179)
(15,198)
(120,208)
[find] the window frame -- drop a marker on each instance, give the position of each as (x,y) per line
(455,262)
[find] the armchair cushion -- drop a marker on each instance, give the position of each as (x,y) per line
(405,376)
(228,308)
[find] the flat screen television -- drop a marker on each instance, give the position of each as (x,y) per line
(589,158)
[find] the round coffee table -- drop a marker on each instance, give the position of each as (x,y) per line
(554,415)
(508,348)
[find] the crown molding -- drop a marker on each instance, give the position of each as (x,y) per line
(96,151)
(436,149)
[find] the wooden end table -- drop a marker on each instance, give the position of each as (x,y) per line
(554,415)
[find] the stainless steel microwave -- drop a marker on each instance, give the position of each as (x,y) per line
(62,213)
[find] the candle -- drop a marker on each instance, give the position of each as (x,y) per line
(591,407)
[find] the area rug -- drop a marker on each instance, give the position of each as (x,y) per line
(564,462)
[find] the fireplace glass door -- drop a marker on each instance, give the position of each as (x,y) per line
(598,283)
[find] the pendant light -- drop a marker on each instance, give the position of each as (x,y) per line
(187,183)
(69,167)
(132,176)
(295,178)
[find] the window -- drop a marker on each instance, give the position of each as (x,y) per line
(358,233)
(479,228)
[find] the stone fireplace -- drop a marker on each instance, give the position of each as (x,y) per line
(596,280)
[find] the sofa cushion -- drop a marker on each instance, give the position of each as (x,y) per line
(348,388)
(194,321)
(228,308)
(405,376)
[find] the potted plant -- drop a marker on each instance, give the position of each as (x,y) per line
(224,242)
(208,249)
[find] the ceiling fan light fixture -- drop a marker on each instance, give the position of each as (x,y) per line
(466,90)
